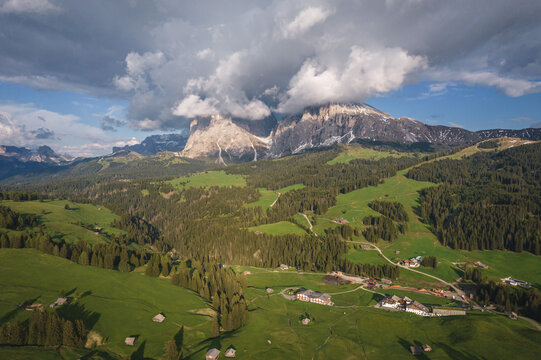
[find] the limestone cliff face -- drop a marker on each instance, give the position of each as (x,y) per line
(318,126)
(222,138)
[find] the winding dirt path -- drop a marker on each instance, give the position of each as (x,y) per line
(457,290)
(274,202)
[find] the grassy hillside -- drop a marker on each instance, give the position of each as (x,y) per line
(113,304)
(362,332)
(208,179)
(67,223)
(419,240)
(269,196)
(357,151)
(279,228)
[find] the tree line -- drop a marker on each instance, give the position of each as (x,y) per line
(44,328)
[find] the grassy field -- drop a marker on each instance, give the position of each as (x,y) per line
(62,223)
(356,151)
(208,179)
(419,240)
(279,228)
(269,196)
(113,304)
(362,332)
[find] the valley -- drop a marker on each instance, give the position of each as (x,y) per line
(264,220)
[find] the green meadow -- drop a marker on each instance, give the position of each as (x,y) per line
(356,151)
(359,331)
(209,178)
(67,223)
(112,304)
(269,196)
(279,228)
(419,240)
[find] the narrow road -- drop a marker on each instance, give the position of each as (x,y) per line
(274,202)
(309,223)
(457,290)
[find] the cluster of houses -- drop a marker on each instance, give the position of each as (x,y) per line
(405,304)
(314,297)
(413,262)
(214,353)
(514,282)
(408,305)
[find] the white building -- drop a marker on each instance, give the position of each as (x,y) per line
(314,297)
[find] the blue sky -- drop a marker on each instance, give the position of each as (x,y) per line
(84,77)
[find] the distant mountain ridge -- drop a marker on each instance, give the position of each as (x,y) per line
(157,143)
(15,160)
(324,125)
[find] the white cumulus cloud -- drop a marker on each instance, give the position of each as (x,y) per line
(365,73)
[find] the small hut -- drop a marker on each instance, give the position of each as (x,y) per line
(212,354)
(269,290)
(158,318)
(246,272)
(427,347)
(230,353)
(416,350)
(512,315)
(130,341)
(305,321)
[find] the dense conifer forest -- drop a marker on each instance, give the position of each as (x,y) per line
(491,200)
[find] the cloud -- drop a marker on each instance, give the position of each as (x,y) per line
(26,6)
(205,54)
(137,67)
(109,123)
(365,73)
(227,56)
(509,86)
(522,118)
(42,133)
(193,106)
(27,125)
(304,21)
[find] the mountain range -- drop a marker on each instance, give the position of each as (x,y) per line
(228,139)
(15,160)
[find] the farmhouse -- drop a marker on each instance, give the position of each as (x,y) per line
(386,281)
(392,302)
(512,316)
(246,272)
(514,282)
(365,247)
(305,321)
(427,347)
(34,307)
(269,290)
(417,308)
(230,353)
(405,304)
(130,341)
(284,267)
(212,354)
(59,302)
(314,297)
(158,318)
